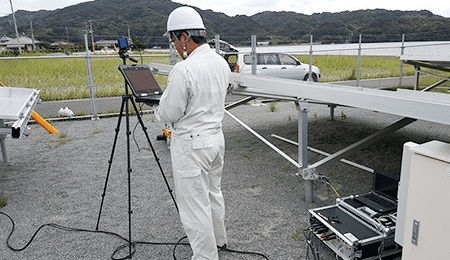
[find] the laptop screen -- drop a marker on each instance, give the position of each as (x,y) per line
(141,79)
(385,184)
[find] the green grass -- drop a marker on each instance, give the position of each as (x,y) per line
(344,67)
(66,78)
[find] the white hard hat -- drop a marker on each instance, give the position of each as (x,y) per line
(184,18)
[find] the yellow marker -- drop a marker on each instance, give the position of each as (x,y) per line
(36,117)
(320,214)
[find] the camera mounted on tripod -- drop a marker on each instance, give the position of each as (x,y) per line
(125,44)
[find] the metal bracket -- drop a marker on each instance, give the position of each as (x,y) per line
(310,174)
(302,105)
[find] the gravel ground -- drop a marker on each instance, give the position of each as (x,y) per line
(60,179)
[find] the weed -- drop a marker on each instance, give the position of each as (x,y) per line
(285,168)
(61,140)
(296,236)
(245,155)
(352,76)
(343,116)
(80,113)
(3,201)
(315,114)
(289,118)
(96,131)
(273,108)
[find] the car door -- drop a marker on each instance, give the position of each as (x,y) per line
(290,67)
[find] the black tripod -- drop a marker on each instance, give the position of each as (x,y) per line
(125,104)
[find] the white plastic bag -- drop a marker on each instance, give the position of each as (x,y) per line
(66,112)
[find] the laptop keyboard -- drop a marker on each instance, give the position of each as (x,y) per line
(380,200)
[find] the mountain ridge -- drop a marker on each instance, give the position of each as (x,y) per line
(146,20)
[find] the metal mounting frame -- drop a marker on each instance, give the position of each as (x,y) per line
(411,105)
(16,104)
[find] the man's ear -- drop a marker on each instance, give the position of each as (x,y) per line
(184,38)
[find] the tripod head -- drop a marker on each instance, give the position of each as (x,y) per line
(125,44)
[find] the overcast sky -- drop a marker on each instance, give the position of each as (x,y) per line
(250,7)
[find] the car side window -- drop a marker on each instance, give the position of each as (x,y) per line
(260,60)
(232,61)
(248,59)
(271,59)
(287,60)
(231,58)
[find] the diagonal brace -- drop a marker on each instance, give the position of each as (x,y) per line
(310,172)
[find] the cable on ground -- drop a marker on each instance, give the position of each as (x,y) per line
(113,256)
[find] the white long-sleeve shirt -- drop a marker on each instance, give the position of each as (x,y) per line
(193,101)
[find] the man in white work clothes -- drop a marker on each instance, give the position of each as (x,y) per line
(193,104)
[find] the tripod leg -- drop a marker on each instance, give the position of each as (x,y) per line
(127,119)
(110,161)
(154,153)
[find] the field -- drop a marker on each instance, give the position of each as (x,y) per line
(66,78)
(343,67)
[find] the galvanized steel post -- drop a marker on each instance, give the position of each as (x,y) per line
(303,108)
(3,143)
(401,62)
(217,43)
(359,62)
(90,77)
(310,60)
(254,55)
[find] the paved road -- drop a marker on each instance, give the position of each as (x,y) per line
(112,104)
(380,83)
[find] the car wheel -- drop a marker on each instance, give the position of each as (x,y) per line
(314,76)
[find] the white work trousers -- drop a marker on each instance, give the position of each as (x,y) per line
(197,162)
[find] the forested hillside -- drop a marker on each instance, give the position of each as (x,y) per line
(146,20)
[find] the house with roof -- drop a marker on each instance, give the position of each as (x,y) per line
(4,38)
(25,44)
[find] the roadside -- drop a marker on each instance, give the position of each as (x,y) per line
(112,104)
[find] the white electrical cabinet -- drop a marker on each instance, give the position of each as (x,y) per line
(423,215)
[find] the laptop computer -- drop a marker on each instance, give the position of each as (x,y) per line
(142,83)
(383,197)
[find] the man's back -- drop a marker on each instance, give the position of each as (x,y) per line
(200,82)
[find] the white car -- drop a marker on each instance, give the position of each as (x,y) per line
(281,65)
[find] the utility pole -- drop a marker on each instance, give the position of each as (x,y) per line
(67,34)
(15,25)
(129,36)
(92,35)
(32,34)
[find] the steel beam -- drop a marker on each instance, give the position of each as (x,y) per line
(356,165)
(240,102)
(316,167)
(405,103)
